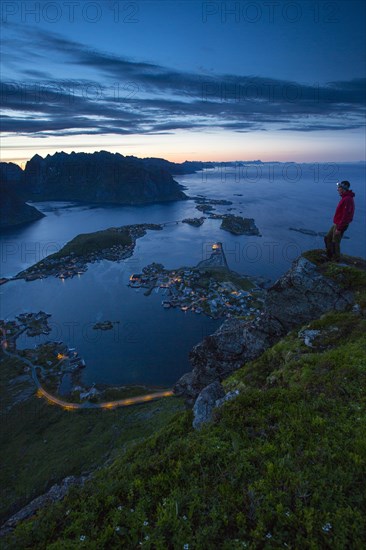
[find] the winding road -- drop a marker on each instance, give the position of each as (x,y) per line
(66,405)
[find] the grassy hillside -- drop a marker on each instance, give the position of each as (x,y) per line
(41,444)
(281,466)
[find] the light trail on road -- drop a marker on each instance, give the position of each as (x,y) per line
(51,399)
(42,393)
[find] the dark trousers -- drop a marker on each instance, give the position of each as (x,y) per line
(333,243)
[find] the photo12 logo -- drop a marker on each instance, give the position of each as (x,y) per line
(289,172)
(271,12)
(253,251)
(28,11)
(67,93)
(254,90)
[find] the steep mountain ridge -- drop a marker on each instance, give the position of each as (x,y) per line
(101,177)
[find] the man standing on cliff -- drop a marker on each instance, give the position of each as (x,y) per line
(342,218)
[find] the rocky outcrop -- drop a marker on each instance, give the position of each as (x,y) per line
(205,404)
(57,492)
(211,397)
(302,294)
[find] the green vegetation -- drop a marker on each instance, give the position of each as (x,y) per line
(41,444)
(87,243)
(282,465)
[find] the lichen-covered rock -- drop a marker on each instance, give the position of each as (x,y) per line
(227,397)
(308,336)
(56,493)
(205,403)
(300,295)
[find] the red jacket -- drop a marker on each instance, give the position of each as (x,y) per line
(345,210)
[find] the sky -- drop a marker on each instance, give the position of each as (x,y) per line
(222,81)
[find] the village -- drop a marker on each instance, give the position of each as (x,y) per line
(209,288)
(113,244)
(72,265)
(54,359)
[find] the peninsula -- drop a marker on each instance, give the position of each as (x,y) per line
(114,243)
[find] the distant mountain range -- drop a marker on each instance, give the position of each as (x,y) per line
(100,177)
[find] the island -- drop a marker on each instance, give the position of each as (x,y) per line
(204,207)
(238,225)
(196,222)
(206,200)
(114,244)
(104,325)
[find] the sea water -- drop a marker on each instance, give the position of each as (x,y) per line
(149,344)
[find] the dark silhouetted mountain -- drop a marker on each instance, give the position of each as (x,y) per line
(13,210)
(11,173)
(100,177)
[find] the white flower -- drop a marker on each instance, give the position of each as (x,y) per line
(268,536)
(146,523)
(118,529)
(327,527)
(147,537)
(120,507)
(186,546)
(185,518)
(82,538)
(132,510)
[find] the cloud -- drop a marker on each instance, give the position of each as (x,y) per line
(137,97)
(320,127)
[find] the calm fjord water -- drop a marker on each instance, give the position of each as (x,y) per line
(149,344)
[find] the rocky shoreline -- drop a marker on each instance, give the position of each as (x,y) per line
(300,295)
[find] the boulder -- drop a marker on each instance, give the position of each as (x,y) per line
(205,404)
